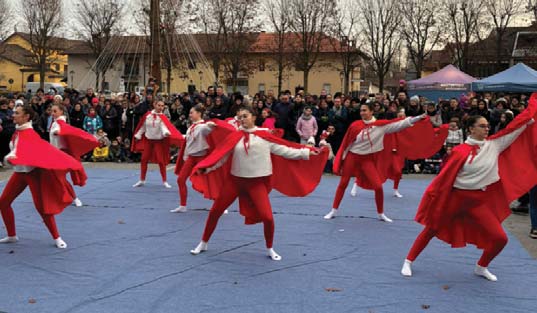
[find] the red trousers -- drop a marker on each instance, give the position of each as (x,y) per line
(15,186)
(253,190)
(158,152)
(185,172)
(483,220)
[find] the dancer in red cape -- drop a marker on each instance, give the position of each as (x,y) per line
(247,165)
(397,162)
(71,140)
(43,168)
(364,155)
(153,137)
(200,139)
(469,199)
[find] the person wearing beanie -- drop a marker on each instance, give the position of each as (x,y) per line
(469,199)
(306,126)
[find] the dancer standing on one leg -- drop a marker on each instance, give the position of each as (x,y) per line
(70,140)
(195,149)
(42,167)
(153,137)
(247,165)
(469,199)
(360,155)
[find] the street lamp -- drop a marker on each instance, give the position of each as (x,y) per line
(72,74)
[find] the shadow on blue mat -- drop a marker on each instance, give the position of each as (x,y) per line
(127,253)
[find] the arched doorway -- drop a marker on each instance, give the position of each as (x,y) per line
(30,78)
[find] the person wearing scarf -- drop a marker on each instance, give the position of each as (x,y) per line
(69,139)
(92,122)
(363,153)
(195,148)
(247,165)
(469,199)
(153,137)
(42,167)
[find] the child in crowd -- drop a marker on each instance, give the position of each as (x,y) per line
(306,126)
(455,136)
(114,154)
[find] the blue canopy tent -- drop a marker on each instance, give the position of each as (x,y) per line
(519,78)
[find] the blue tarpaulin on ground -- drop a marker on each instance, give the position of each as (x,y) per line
(127,253)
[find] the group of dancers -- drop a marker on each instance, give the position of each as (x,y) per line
(226,160)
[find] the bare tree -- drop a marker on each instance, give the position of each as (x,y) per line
(464,19)
(310,21)
(279,19)
(531,6)
(43,20)
(98,21)
(381,30)
(501,12)
(239,27)
(422,29)
(6,15)
(345,41)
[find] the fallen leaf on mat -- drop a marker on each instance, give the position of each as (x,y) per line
(333,289)
(11,252)
(31,300)
(445,287)
(425,306)
(121,222)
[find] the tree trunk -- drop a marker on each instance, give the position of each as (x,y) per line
(381,81)
(498,51)
(280,76)
(419,67)
(97,77)
(103,81)
(42,71)
(216,70)
(306,78)
(346,82)
(169,79)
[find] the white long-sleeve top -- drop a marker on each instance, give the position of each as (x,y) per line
(371,139)
(13,146)
(196,141)
(455,137)
(483,170)
(54,134)
(257,163)
(153,128)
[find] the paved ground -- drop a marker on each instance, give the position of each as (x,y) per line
(128,254)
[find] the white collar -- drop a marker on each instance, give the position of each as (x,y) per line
(372,120)
(24,126)
(200,121)
(472,141)
(154,112)
(61,118)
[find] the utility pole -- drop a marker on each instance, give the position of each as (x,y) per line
(154,20)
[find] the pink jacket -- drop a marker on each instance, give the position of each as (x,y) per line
(269,123)
(306,128)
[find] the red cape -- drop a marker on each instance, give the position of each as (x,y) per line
(218,134)
(77,141)
(515,181)
(175,138)
(56,193)
(294,178)
(416,142)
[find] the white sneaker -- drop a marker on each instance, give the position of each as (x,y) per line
(384,218)
(354,190)
(201,247)
(139,183)
(179,209)
(167,185)
(417,168)
(397,194)
(77,202)
(9,239)
(484,272)
(273,255)
(226,212)
(407,268)
(331,214)
(60,244)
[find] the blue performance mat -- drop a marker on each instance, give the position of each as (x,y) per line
(127,253)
